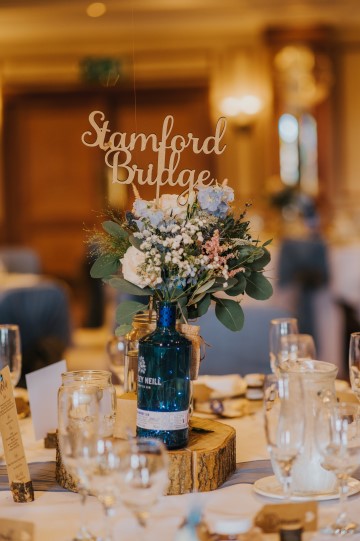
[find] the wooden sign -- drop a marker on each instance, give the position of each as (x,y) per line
(118,147)
(17,467)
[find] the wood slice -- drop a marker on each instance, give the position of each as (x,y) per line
(203,465)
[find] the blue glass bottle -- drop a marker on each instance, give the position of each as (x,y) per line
(164,381)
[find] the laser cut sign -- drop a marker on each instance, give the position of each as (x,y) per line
(118,147)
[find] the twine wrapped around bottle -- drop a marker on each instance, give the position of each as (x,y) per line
(192,333)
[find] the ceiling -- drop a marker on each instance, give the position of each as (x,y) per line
(53,34)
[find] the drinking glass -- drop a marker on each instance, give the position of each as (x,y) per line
(10,351)
(297,346)
(144,476)
(284,424)
(115,348)
(107,395)
(338,442)
(78,425)
(280,327)
(104,479)
(354,363)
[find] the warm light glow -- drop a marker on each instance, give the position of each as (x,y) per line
(248,105)
(96,9)
(288,128)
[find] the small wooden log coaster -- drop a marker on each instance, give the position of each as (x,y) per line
(203,465)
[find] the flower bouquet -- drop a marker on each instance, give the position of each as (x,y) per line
(183,249)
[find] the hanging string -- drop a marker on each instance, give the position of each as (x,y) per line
(133,61)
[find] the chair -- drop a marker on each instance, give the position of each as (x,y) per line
(43,315)
(241,352)
(20,260)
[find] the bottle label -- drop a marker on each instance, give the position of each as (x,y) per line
(162,420)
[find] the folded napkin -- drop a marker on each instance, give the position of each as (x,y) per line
(221,386)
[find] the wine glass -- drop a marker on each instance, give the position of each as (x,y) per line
(144,476)
(115,348)
(297,346)
(354,363)
(10,351)
(338,442)
(78,426)
(284,425)
(280,327)
(104,479)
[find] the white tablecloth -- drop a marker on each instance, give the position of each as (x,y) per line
(56,514)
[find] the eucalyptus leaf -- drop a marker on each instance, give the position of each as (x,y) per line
(134,241)
(229,313)
(122,330)
(204,287)
(258,287)
(196,299)
(219,285)
(126,311)
(114,229)
(105,265)
(260,263)
(203,305)
(239,287)
(127,287)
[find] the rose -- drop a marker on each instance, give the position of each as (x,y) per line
(131,261)
(171,205)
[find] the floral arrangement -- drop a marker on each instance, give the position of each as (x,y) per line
(183,249)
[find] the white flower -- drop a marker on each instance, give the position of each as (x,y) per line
(131,262)
(171,206)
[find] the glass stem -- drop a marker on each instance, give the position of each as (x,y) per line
(343,492)
(108,514)
(287,485)
(83,532)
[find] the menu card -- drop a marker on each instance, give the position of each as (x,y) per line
(17,467)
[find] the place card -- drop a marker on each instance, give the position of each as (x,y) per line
(16,530)
(43,386)
(17,467)
(272,516)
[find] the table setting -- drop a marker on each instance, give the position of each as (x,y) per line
(171,455)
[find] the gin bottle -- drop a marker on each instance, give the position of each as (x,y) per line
(164,381)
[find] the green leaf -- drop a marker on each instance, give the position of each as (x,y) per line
(134,241)
(126,311)
(266,243)
(204,287)
(229,313)
(121,330)
(194,300)
(258,287)
(203,305)
(128,287)
(219,285)
(114,229)
(182,308)
(104,266)
(239,287)
(260,263)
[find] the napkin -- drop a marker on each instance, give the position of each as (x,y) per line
(224,386)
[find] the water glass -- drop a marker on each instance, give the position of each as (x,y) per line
(279,328)
(78,425)
(284,425)
(354,363)
(297,346)
(338,441)
(10,351)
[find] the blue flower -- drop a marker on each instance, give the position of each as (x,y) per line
(215,199)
